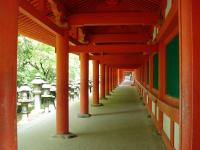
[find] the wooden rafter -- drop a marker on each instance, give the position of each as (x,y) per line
(117,18)
(115,38)
(28,10)
(115,48)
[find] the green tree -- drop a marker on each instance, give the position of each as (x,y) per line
(74,67)
(34,57)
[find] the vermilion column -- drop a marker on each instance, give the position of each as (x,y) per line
(162,72)
(110,79)
(84,110)
(113,78)
(96,83)
(116,79)
(112,74)
(62,106)
(189,34)
(106,80)
(151,87)
(118,76)
(151,72)
(8,74)
(102,81)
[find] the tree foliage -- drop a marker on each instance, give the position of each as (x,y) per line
(74,67)
(35,57)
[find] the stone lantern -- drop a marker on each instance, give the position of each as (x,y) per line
(24,100)
(37,91)
(53,93)
(46,97)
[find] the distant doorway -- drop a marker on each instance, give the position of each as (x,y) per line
(128,76)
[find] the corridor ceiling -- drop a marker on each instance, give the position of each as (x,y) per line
(93,22)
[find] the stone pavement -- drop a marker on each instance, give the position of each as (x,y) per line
(121,124)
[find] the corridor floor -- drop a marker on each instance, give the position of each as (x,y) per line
(121,124)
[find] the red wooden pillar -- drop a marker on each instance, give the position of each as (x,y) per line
(8,74)
(121,78)
(189,34)
(162,73)
(96,83)
(161,77)
(110,79)
(106,80)
(62,105)
(114,78)
(102,81)
(84,102)
(150,81)
(117,80)
(118,76)
(151,72)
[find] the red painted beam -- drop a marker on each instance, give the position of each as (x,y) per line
(127,69)
(115,18)
(123,61)
(28,10)
(119,58)
(108,38)
(116,48)
(126,66)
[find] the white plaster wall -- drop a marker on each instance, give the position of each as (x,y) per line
(176,136)
(169,5)
(166,125)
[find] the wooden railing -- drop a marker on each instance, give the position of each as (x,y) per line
(164,116)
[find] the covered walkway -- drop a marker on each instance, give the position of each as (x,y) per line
(157,41)
(121,124)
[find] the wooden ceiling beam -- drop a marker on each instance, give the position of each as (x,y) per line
(126,69)
(60,12)
(113,48)
(125,66)
(123,61)
(28,10)
(108,38)
(119,58)
(115,18)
